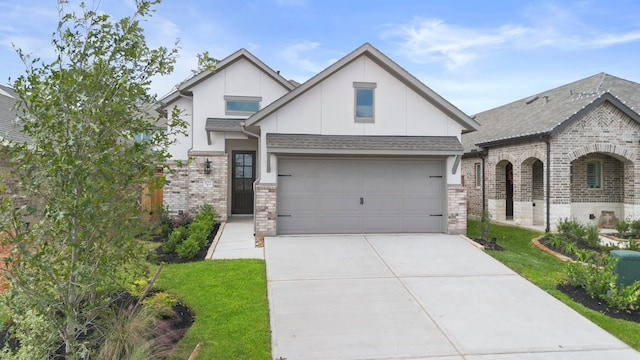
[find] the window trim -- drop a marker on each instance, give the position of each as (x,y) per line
(246,99)
(478,171)
(598,170)
(364,86)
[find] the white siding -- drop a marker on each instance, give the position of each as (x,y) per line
(328,109)
(242,78)
(180,148)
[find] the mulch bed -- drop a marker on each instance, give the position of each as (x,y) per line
(578,295)
(168,330)
(488,245)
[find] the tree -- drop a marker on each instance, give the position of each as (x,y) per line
(206,62)
(81,112)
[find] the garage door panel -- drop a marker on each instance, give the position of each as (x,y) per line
(324,195)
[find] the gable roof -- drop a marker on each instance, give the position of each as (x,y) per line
(9,129)
(185,87)
(386,63)
(550,111)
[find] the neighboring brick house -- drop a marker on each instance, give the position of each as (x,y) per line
(578,143)
(361,147)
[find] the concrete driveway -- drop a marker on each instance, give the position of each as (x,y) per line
(427,296)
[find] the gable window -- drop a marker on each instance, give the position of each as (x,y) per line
(478,175)
(242,105)
(364,101)
(594,174)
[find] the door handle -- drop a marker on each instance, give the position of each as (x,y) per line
(361,201)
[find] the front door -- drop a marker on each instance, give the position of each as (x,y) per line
(243,175)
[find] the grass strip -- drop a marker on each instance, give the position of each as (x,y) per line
(229,299)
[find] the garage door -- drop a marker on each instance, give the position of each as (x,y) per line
(318,196)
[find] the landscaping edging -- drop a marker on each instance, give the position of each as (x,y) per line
(216,239)
(536,242)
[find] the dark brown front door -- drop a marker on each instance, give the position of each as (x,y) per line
(243,174)
(509,190)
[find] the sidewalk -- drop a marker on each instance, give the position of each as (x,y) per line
(236,241)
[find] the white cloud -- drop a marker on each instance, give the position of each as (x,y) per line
(436,41)
(298,55)
(432,40)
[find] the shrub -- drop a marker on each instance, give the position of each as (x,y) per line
(633,244)
(635,228)
(131,337)
(162,302)
(622,227)
(177,236)
(200,230)
(206,213)
(189,248)
(592,236)
(485,225)
(570,228)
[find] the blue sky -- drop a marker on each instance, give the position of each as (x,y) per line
(477,54)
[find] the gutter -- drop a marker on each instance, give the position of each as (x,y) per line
(483,155)
(547,141)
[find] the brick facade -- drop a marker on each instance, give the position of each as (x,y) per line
(188,186)
(605,133)
(266,217)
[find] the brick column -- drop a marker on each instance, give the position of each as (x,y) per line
(456,209)
(266,216)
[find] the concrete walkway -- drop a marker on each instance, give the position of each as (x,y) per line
(427,296)
(236,240)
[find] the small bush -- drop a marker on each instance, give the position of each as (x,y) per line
(189,248)
(570,228)
(635,228)
(206,213)
(200,230)
(592,236)
(622,227)
(137,288)
(162,303)
(177,236)
(485,225)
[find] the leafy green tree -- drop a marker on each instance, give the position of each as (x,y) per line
(85,171)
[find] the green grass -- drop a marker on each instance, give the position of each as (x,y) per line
(546,272)
(229,299)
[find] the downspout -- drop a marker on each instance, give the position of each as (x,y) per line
(483,156)
(255,183)
(548,186)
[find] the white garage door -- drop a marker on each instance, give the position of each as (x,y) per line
(337,196)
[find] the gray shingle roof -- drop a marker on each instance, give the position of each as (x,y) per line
(216,124)
(9,129)
(351,143)
(543,112)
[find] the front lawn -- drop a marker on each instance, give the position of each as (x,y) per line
(229,302)
(546,272)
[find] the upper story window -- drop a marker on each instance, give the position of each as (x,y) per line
(242,105)
(364,101)
(594,174)
(478,175)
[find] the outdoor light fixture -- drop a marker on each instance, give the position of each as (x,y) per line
(207,167)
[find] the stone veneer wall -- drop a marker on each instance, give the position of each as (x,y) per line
(189,187)
(266,216)
(456,209)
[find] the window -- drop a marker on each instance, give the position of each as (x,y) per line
(594,174)
(142,137)
(478,175)
(242,105)
(364,101)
